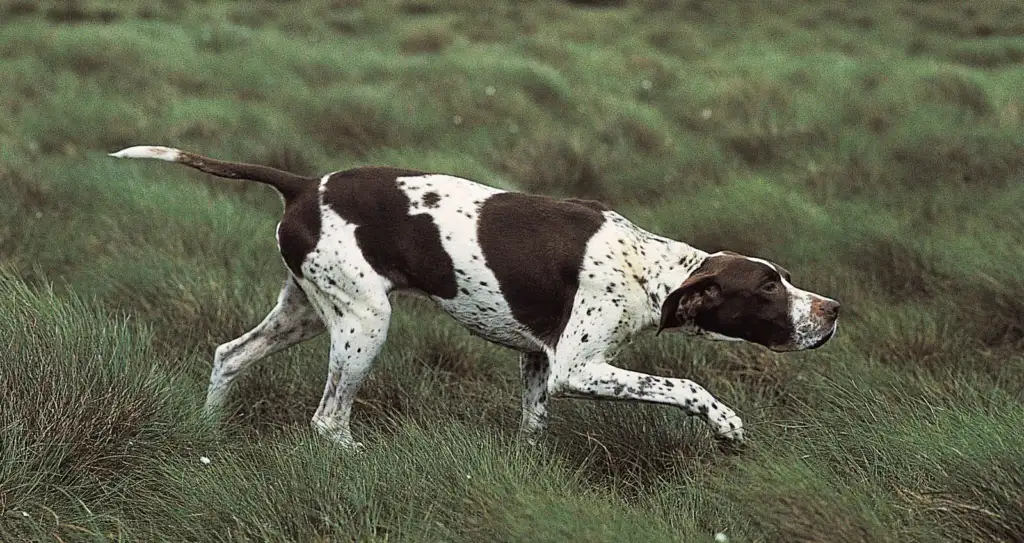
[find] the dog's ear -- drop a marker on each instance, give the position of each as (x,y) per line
(784,273)
(698,293)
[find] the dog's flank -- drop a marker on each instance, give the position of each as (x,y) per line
(287,184)
(565,282)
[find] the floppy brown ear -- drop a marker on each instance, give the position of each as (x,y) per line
(682,304)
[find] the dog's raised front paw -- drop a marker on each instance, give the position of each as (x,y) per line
(730,430)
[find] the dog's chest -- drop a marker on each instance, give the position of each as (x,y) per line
(614,281)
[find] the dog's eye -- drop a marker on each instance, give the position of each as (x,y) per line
(771,287)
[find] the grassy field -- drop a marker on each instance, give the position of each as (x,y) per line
(874,148)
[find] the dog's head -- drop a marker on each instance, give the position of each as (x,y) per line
(739,298)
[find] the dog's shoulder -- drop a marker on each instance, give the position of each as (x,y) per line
(514,223)
(535,246)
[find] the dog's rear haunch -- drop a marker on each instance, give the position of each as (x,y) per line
(564,282)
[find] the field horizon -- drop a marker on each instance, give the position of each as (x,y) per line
(874,149)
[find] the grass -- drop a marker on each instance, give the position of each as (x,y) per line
(874,149)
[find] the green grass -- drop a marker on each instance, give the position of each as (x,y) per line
(876,149)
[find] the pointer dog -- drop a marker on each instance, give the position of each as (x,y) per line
(564,282)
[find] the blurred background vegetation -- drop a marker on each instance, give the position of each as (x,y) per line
(874,148)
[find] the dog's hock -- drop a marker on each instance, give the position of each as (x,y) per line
(149,151)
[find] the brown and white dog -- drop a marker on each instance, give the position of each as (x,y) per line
(564,282)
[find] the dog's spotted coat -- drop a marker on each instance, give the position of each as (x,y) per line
(565,282)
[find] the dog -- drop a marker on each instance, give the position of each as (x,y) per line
(563,281)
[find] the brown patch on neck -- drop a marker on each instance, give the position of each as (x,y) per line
(535,245)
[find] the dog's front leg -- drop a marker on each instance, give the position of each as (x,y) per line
(584,373)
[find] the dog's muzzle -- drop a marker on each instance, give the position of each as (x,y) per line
(825,310)
(824,339)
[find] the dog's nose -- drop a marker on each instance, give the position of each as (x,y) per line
(825,309)
(830,309)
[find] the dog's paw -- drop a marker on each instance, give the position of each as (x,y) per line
(730,447)
(336,433)
(352,446)
(214,413)
(345,443)
(532,437)
(729,426)
(730,434)
(731,441)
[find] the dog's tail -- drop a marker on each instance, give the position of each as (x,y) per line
(288,184)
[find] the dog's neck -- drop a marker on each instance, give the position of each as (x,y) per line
(667,264)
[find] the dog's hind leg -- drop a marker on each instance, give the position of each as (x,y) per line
(534,370)
(358,327)
(293,320)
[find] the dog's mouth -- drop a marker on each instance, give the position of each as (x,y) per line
(798,345)
(824,339)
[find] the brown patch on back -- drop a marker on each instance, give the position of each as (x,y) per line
(535,247)
(402,247)
(727,295)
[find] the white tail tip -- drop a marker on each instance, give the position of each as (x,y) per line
(149,151)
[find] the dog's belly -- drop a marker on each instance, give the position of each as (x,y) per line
(491,319)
